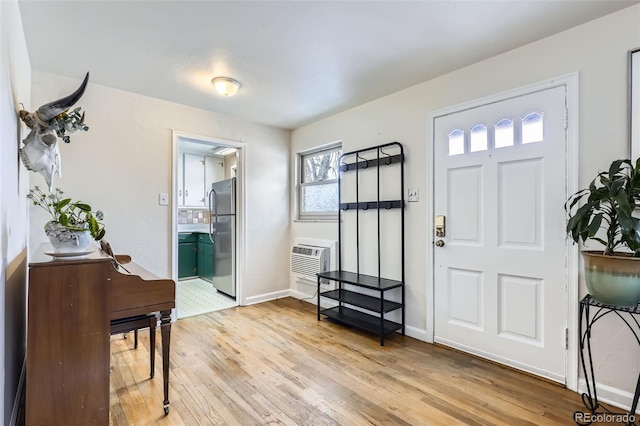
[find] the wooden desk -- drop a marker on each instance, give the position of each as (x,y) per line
(70,308)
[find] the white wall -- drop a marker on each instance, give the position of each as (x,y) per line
(230,161)
(15,80)
(124,161)
(598,50)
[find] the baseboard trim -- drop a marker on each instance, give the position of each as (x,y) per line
(266,297)
(18,401)
(416,333)
(313,299)
(297,294)
(610,395)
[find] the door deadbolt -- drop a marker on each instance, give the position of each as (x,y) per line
(440,226)
(439,243)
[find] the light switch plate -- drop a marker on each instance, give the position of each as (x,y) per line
(163,199)
(413,195)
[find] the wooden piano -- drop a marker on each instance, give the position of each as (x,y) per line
(71,303)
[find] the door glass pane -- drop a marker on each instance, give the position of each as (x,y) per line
(478,140)
(532,128)
(456,142)
(503,133)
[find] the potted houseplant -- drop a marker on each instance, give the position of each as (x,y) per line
(612,274)
(74,224)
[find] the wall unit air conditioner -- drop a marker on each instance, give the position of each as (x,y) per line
(307,261)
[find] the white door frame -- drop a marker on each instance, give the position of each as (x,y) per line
(571,81)
(240,208)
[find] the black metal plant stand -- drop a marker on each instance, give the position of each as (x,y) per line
(355,308)
(592,311)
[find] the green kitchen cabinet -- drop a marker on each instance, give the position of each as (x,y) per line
(205,257)
(187,255)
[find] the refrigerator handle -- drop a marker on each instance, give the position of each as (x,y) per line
(212,206)
(233,195)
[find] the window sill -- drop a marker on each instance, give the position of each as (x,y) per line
(332,220)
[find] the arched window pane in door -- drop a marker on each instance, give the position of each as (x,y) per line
(456,142)
(503,133)
(478,138)
(532,128)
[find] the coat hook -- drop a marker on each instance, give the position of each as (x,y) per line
(388,159)
(366,162)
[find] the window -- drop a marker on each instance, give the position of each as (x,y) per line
(478,140)
(456,142)
(532,128)
(503,133)
(318,193)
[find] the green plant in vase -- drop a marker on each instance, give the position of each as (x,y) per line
(74,224)
(607,216)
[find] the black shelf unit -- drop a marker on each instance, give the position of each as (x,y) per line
(591,311)
(369,312)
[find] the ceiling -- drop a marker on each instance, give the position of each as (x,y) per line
(297,61)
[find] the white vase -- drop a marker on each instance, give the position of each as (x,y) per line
(64,240)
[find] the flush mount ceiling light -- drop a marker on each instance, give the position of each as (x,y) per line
(226,86)
(222,150)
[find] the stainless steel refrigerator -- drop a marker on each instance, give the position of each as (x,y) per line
(222,232)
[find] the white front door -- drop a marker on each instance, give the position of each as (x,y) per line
(500,277)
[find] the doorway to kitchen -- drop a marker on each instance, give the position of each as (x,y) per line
(207,225)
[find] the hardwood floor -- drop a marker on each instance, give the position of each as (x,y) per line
(273,363)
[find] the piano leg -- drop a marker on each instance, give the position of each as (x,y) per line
(153,319)
(165,328)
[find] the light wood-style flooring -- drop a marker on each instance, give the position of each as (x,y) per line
(274,363)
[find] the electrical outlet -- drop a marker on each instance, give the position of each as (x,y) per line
(163,199)
(413,195)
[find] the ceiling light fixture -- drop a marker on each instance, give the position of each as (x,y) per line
(226,151)
(226,86)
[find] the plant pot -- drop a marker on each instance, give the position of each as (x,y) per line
(65,240)
(612,280)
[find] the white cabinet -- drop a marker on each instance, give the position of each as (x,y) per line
(196,173)
(191,185)
(181,180)
(194,190)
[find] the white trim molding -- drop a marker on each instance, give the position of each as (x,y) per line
(266,297)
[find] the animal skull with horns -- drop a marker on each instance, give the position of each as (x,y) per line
(40,152)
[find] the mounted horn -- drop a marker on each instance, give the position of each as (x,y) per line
(51,121)
(50,110)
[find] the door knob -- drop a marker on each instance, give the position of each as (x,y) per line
(439,243)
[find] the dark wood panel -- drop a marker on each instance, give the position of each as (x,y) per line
(67,346)
(70,308)
(132,294)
